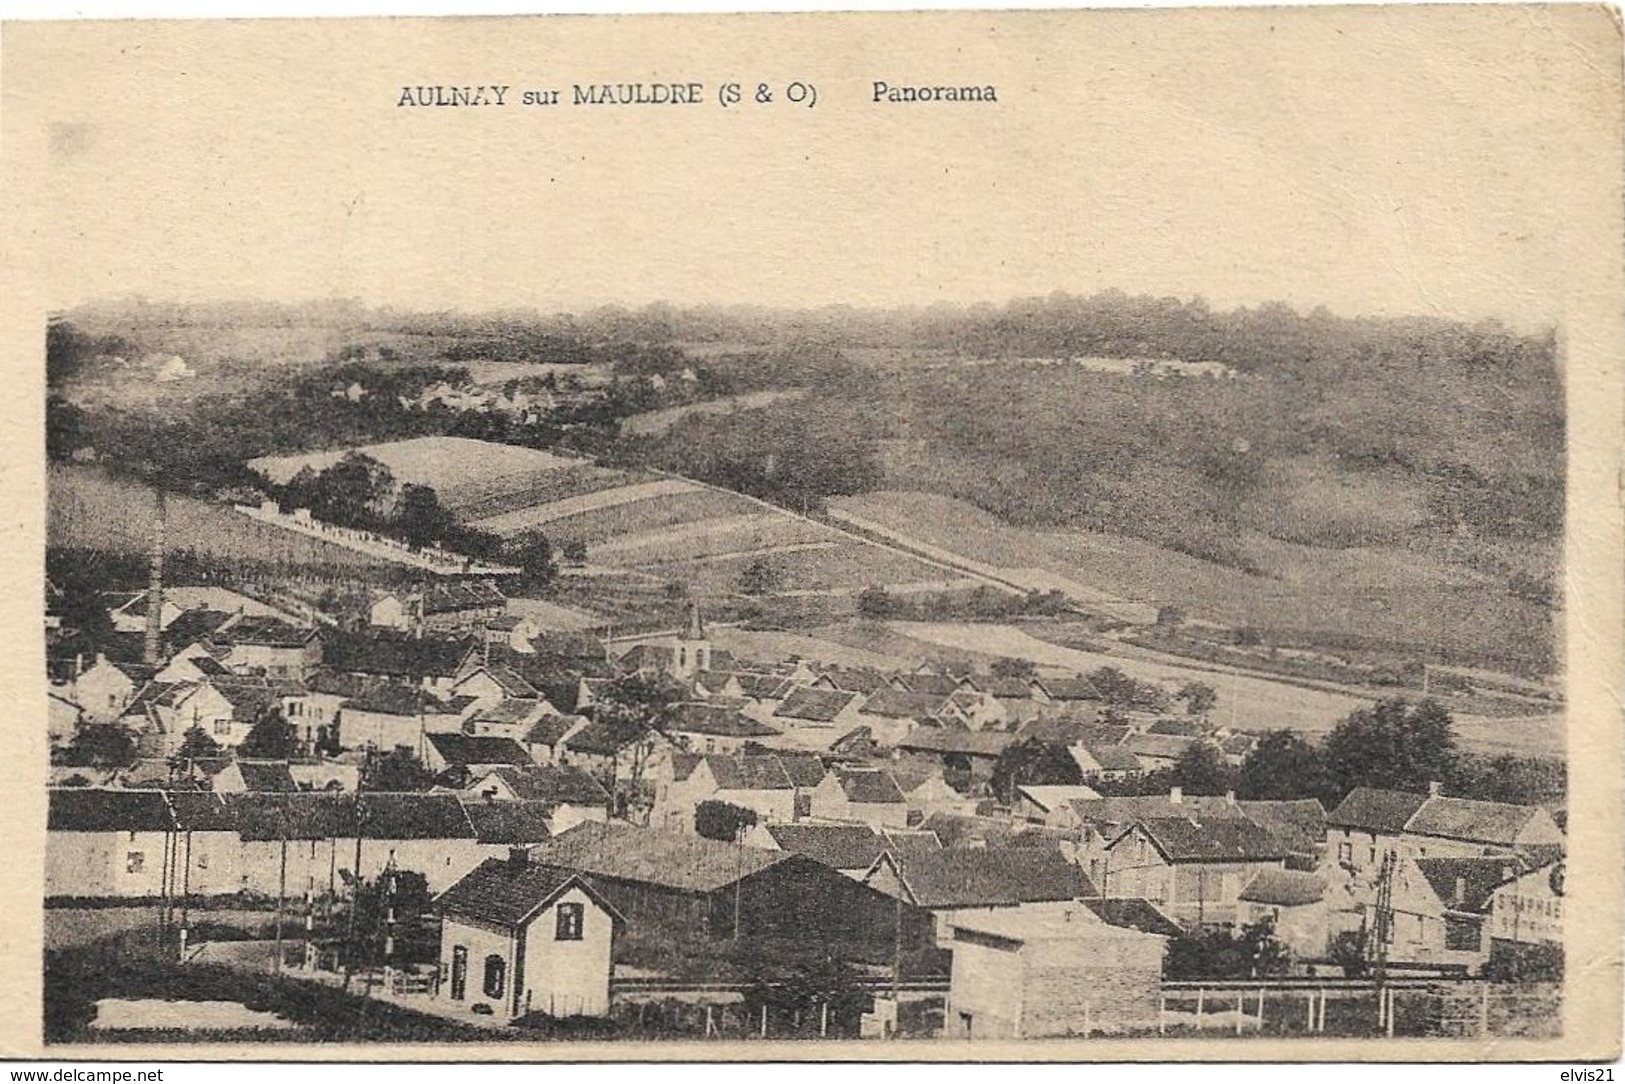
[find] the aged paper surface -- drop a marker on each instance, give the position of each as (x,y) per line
(998,472)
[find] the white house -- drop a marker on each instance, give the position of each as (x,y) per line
(520,938)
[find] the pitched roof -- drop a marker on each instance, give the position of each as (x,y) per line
(1470,819)
(505,892)
(413,816)
(554,784)
(721,718)
(1299,823)
(854,681)
(1478,879)
(1114,758)
(395,654)
(394,698)
(508,822)
(990,877)
(1131,913)
(267,776)
(603,737)
(453,596)
(810,705)
(1285,888)
(763,686)
(1186,728)
(1371,810)
(1050,797)
(1001,833)
(749,773)
(1182,839)
(263,631)
(507,712)
(897,704)
(464,749)
(201,811)
(804,769)
(511,683)
(839,846)
(869,786)
(937,686)
(1165,746)
(1073,688)
(672,860)
(306,815)
(92,809)
(980,743)
(550,729)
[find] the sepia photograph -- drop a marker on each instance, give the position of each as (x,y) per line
(699,534)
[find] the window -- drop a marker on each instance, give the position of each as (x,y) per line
(134,861)
(496,973)
(202,861)
(569,922)
(222,726)
(459,972)
(1345,852)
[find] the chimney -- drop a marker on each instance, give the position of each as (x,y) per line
(155,585)
(1435,788)
(1176,795)
(518,857)
(1461,892)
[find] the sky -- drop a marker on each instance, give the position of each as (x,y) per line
(1408,160)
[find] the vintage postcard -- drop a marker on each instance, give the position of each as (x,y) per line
(1039,536)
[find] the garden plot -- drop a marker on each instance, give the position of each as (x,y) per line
(751,532)
(513,493)
(563,511)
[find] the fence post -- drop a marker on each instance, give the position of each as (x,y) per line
(1322,1024)
(1162,1014)
(1261,1012)
(1199,997)
(1239,1013)
(1391,994)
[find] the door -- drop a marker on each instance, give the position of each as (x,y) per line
(459,972)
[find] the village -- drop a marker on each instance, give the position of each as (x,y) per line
(482,821)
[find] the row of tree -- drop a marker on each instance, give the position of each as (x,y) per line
(1396,744)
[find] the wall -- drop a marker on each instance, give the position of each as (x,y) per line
(985,985)
(99,863)
(568,978)
(1108,981)
(481,940)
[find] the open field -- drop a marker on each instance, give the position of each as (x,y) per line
(583,505)
(1380,594)
(446,464)
(656,422)
(88,508)
(515,492)
(758,530)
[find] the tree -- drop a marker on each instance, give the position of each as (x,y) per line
(874,602)
(1201,770)
(101,746)
(195,745)
(1398,744)
(1199,697)
(1209,952)
(1283,765)
(534,556)
(1032,761)
(760,577)
(398,770)
(272,738)
(1170,617)
(722,820)
(419,517)
(1021,669)
(411,939)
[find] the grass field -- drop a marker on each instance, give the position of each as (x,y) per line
(1411,601)
(447,464)
(609,504)
(656,422)
(514,492)
(87,508)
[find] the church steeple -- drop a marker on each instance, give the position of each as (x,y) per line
(696,627)
(693,648)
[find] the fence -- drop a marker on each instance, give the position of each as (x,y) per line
(1409,1007)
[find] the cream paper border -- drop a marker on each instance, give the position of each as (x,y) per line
(1583,43)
